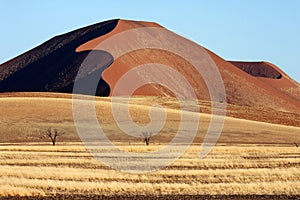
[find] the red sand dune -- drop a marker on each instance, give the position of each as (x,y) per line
(241,87)
(53,66)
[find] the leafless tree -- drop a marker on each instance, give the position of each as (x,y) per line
(296,144)
(146,136)
(53,134)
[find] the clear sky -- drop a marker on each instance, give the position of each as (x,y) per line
(251,30)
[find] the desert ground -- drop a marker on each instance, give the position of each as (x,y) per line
(256,157)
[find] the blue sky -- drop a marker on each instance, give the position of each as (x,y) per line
(251,30)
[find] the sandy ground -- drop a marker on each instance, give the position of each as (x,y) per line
(166,197)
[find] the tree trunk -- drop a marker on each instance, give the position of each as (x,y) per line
(147,140)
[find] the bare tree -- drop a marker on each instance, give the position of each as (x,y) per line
(296,144)
(53,134)
(147,136)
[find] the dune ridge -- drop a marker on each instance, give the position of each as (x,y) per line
(53,66)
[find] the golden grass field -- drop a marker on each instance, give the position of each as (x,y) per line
(37,169)
(250,157)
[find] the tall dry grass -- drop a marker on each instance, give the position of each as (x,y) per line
(69,168)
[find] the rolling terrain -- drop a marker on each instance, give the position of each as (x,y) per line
(24,116)
(251,158)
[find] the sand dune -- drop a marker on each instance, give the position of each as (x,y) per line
(53,67)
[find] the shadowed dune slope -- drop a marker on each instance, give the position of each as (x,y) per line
(258,69)
(53,67)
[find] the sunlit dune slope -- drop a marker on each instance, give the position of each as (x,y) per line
(53,67)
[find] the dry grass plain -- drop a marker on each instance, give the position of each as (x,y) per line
(34,169)
(250,158)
